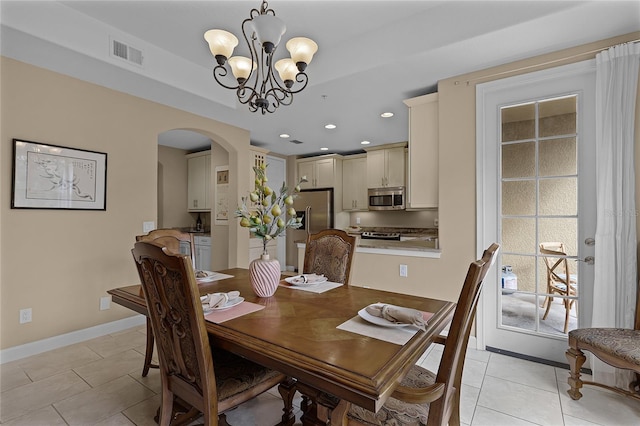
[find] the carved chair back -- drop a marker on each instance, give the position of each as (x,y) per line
(170,238)
(330,252)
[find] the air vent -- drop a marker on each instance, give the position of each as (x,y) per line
(296,141)
(128,53)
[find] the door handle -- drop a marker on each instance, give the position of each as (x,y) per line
(589,260)
(590,242)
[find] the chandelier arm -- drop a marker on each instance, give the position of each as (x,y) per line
(246,95)
(222,71)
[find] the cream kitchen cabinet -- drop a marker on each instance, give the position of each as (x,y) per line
(386,166)
(422,185)
(321,172)
(354,183)
(199,181)
(256,248)
(202,247)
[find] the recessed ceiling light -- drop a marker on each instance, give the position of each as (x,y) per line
(284,135)
(386,114)
(324,148)
(365,143)
(330,126)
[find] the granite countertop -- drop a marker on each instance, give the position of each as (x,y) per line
(420,245)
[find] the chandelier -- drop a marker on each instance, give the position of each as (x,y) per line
(257,84)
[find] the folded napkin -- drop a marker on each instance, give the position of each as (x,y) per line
(308,279)
(216,300)
(397,314)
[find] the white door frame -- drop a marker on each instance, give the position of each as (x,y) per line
(489,96)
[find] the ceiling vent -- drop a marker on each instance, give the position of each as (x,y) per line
(296,141)
(128,53)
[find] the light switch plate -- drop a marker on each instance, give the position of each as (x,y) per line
(105,303)
(148,226)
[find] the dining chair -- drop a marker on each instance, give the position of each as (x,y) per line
(171,239)
(559,279)
(425,398)
(329,252)
(210,380)
(618,347)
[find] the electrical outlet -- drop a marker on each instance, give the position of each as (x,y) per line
(357,221)
(105,303)
(436,222)
(148,226)
(403,271)
(25,315)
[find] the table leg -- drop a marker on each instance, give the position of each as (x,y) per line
(322,408)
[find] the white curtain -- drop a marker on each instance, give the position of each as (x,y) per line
(615,265)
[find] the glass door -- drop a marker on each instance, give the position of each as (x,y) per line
(537,166)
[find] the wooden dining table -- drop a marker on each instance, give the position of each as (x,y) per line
(296,333)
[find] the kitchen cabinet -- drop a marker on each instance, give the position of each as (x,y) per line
(354,183)
(199,181)
(321,172)
(422,182)
(202,247)
(385,166)
(255,249)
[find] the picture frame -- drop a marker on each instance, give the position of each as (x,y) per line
(221,209)
(47,176)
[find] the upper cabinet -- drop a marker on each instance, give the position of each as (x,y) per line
(321,172)
(422,188)
(199,181)
(354,183)
(385,166)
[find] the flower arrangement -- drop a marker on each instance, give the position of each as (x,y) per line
(266,216)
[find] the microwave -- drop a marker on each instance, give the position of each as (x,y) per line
(391,198)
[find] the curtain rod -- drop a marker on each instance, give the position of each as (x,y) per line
(544,63)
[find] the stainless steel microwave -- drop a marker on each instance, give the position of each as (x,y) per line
(387,198)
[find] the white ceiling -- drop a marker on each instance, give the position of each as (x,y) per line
(372,55)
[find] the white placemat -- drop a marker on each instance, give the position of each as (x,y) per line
(397,335)
(316,288)
(215,276)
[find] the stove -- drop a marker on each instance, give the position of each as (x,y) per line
(371,235)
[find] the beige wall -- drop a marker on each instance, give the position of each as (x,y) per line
(442,278)
(172,188)
(60,262)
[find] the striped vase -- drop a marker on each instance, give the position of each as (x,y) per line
(264,275)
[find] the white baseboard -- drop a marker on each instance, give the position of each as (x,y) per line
(55,342)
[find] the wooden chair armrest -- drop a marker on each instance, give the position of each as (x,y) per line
(419,395)
(440,340)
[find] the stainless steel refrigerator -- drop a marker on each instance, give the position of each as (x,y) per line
(316,207)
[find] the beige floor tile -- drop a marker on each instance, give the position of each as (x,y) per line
(143,412)
(264,410)
(152,381)
(574,421)
(12,377)
(107,369)
(56,361)
(478,355)
(23,399)
(46,416)
(473,372)
(524,372)
(524,402)
(486,417)
(103,401)
(110,345)
(468,400)
(116,420)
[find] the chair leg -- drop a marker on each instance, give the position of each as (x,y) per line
(546,313)
(567,308)
(148,355)
(287,390)
(576,359)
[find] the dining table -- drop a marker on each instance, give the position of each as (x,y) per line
(317,338)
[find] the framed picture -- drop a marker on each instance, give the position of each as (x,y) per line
(222,192)
(55,177)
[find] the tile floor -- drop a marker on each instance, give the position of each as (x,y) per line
(98,382)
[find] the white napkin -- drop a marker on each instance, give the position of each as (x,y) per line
(397,314)
(307,279)
(216,300)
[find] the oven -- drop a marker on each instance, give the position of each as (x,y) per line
(371,235)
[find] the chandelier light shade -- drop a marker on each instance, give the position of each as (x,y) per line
(255,81)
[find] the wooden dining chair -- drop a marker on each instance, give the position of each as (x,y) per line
(425,398)
(618,347)
(208,379)
(169,238)
(559,279)
(330,252)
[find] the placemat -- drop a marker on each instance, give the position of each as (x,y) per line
(234,312)
(397,335)
(216,276)
(317,288)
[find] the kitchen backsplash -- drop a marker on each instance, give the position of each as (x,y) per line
(395,219)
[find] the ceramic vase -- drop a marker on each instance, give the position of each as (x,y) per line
(264,275)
